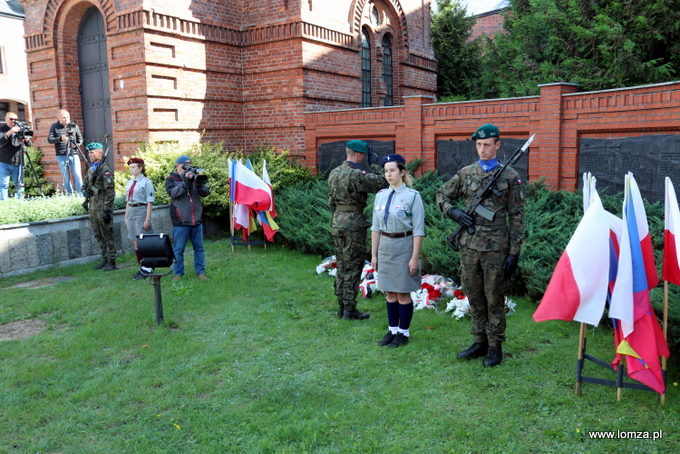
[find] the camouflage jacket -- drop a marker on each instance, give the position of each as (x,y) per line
(102,190)
(498,234)
(348,189)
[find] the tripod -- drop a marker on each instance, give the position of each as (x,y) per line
(23,153)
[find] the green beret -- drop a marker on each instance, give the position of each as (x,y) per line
(485,132)
(93,146)
(357,145)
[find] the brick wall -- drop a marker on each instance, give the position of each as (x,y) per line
(559,117)
(488,24)
(239,71)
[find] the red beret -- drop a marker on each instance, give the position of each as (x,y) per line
(135,161)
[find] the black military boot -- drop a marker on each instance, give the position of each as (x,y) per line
(341,310)
(354,314)
(476,350)
(493,357)
(110,265)
(101,265)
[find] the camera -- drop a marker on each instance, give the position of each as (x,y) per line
(25,131)
(197,177)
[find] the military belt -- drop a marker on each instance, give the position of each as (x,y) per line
(346,208)
(397,235)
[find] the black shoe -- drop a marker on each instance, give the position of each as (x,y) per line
(341,310)
(476,350)
(110,265)
(138,276)
(355,315)
(494,357)
(101,265)
(399,341)
(389,337)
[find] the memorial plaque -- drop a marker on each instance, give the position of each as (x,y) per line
(650,158)
(332,154)
(453,155)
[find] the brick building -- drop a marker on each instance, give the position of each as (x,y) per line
(240,71)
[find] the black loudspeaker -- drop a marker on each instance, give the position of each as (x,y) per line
(155,249)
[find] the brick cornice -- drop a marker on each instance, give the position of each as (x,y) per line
(153,20)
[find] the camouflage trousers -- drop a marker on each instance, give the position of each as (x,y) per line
(483,282)
(351,248)
(103,232)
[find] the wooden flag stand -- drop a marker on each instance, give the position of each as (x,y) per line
(620,373)
(240,241)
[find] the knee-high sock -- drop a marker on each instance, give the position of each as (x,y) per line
(393,314)
(405,315)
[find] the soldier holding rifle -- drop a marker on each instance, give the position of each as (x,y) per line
(98,190)
(490,235)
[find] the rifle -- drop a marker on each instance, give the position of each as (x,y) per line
(475,206)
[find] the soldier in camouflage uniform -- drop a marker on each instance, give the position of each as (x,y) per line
(348,189)
(98,190)
(488,256)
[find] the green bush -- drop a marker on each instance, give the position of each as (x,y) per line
(14,211)
(159,159)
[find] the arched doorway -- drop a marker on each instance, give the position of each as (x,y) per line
(94,80)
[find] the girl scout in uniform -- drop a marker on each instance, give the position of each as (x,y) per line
(139,194)
(397,233)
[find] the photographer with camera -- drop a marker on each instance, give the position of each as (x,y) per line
(185,187)
(67,139)
(14,136)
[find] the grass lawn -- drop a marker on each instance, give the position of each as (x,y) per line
(255,361)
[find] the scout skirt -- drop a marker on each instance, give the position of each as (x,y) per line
(393,257)
(136,216)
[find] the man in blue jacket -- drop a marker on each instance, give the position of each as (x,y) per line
(185,190)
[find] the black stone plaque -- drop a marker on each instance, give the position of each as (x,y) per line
(332,154)
(650,158)
(453,155)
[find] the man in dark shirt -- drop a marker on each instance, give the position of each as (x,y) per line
(11,159)
(66,138)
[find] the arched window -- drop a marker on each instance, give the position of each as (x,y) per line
(365,69)
(387,70)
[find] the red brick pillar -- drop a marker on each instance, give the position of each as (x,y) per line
(410,140)
(549,160)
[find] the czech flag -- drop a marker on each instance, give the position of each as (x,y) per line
(637,334)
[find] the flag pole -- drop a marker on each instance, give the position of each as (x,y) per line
(665,335)
(581,348)
(231,224)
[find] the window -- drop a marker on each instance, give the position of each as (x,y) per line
(375,15)
(21,111)
(4,108)
(387,70)
(365,69)
(2,60)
